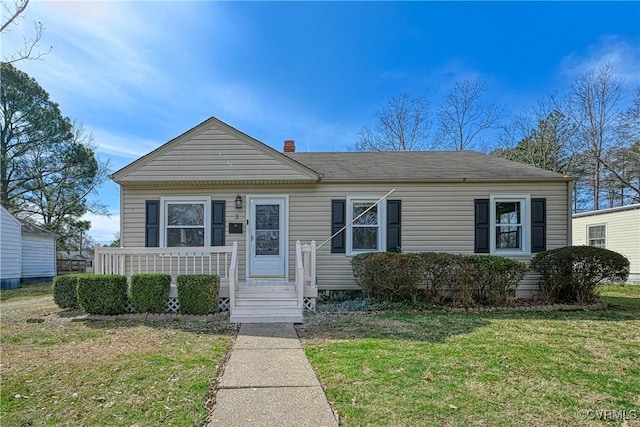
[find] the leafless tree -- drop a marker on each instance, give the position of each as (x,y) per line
(595,97)
(540,135)
(403,124)
(463,116)
(11,14)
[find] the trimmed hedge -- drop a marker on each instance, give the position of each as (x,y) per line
(65,291)
(571,274)
(446,276)
(388,276)
(102,293)
(198,293)
(464,280)
(149,292)
(495,278)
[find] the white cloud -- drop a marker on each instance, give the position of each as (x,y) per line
(103,228)
(608,50)
(126,146)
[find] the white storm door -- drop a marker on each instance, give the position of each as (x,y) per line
(267,237)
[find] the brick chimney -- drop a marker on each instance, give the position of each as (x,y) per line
(289,146)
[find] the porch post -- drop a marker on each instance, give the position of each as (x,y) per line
(97,259)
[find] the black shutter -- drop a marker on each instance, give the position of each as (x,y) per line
(217,222)
(152,224)
(481,226)
(538,225)
(338,220)
(394,219)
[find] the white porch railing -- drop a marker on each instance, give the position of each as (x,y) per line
(171,261)
(305,268)
(233,275)
(220,260)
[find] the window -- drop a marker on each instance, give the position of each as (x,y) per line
(510,230)
(365,234)
(185,222)
(597,235)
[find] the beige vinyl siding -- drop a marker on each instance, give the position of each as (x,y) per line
(215,155)
(622,235)
(10,247)
(435,217)
(38,256)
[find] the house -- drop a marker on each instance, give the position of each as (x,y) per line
(617,229)
(215,185)
(27,252)
(10,250)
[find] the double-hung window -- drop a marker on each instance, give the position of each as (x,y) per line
(366,233)
(597,235)
(185,221)
(510,229)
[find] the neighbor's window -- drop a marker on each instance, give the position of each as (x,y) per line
(185,223)
(597,235)
(510,230)
(366,232)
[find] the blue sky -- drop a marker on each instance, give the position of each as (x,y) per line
(137,74)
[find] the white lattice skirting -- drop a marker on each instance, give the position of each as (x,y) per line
(309,304)
(172,305)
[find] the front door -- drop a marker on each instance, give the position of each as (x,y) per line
(267,234)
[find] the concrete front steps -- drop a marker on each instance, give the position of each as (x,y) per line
(271,302)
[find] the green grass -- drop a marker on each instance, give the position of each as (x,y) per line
(26,291)
(499,369)
(105,373)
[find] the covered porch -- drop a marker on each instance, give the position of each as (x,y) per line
(260,300)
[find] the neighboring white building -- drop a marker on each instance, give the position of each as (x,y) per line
(38,253)
(616,229)
(27,252)
(10,250)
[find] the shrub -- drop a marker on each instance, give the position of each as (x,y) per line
(148,292)
(198,293)
(388,276)
(65,291)
(102,293)
(445,276)
(495,278)
(571,274)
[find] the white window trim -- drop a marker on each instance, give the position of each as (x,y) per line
(382,221)
(525,219)
(605,233)
(164,201)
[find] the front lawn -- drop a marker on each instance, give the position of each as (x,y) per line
(104,373)
(406,367)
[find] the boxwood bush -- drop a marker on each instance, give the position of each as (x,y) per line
(437,277)
(198,293)
(102,293)
(148,292)
(446,276)
(571,274)
(495,278)
(388,276)
(65,291)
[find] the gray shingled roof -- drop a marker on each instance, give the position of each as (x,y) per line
(420,166)
(28,227)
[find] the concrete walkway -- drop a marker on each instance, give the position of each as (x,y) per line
(268,381)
